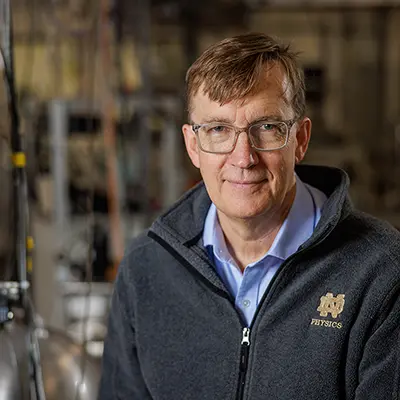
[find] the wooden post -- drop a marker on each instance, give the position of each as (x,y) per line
(108,122)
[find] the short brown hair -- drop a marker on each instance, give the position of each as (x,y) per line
(231,69)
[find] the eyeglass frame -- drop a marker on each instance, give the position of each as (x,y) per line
(288,123)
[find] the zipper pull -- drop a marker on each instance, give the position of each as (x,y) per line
(246,336)
(244,356)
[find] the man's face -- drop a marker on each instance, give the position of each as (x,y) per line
(247,183)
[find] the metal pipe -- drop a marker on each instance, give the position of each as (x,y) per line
(20,187)
(18,156)
(58,128)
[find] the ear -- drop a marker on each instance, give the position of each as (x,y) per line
(303,135)
(191,144)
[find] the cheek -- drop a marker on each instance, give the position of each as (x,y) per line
(274,162)
(280,166)
(210,166)
(287,169)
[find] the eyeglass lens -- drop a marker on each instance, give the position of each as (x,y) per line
(216,137)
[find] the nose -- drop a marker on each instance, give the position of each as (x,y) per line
(243,155)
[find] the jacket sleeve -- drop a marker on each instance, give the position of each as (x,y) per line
(379,371)
(121,377)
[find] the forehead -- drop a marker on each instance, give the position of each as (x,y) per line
(272,96)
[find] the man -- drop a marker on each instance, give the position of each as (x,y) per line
(262,282)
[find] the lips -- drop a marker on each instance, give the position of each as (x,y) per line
(246,184)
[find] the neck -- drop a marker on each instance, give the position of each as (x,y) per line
(248,240)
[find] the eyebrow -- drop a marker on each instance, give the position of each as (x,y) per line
(223,120)
(267,118)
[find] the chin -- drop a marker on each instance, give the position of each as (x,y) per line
(243,209)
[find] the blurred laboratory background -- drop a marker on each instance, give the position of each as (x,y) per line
(100,88)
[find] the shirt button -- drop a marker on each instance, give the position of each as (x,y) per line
(246,303)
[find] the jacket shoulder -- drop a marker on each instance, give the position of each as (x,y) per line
(139,243)
(378,234)
(139,251)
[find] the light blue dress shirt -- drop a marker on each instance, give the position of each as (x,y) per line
(248,287)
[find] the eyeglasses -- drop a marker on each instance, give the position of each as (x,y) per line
(220,138)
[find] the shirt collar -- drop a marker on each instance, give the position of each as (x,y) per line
(296,229)
(298,225)
(214,237)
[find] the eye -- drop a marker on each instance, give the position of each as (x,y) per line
(268,127)
(217,129)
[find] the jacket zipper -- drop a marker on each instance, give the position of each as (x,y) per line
(245,343)
(244,357)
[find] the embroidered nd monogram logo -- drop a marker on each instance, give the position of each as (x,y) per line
(332,305)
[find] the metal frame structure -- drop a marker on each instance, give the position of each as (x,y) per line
(16,293)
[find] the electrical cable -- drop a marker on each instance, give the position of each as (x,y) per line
(18,156)
(9,259)
(11,256)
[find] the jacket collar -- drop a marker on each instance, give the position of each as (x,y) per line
(185,219)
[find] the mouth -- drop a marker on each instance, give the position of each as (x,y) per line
(246,182)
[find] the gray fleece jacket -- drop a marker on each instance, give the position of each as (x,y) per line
(327,328)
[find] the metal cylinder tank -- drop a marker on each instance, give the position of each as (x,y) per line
(68,372)
(14,362)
